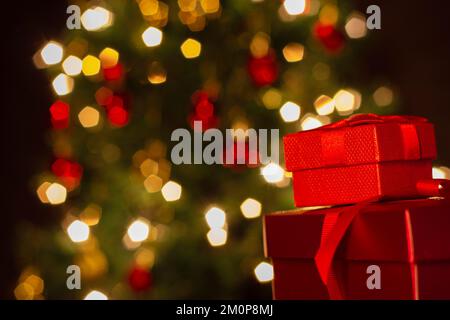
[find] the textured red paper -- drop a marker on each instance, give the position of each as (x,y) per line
(406,239)
(367,153)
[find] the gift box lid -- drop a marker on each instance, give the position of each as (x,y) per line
(397,231)
(360,139)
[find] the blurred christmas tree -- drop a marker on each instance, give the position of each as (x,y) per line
(136,225)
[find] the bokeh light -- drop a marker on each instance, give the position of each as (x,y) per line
(152,37)
(89,117)
(290,112)
(62,84)
(78,231)
(215,218)
(96,19)
(96,295)
(217,237)
(139,230)
(72,66)
(264,272)
(251,208)
(52,53)
(171,191)
(191,48)
(56,193)
(272,173)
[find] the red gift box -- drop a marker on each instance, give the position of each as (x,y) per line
(326,253)
(377,156)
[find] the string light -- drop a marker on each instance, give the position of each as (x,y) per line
(91,65)
(171,191)
(56,193)
(290,112)
(294,7)
(139,230)
(324,105)
(62,84)
(272,173)
(215,218)
(217,237)
(96,19)
(251,208)
(191,48)
(89,117)
(52,53)
(293,52)
(264,272)
(152,37)
(72,66)
(95,295)
(78,231)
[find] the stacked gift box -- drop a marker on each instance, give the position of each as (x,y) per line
(383,231)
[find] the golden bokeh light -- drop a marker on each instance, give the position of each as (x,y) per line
(260,45)
(41,192)
(89,117)
(56,193)
(157,74)
(148,7)
(355,26)
(346,101)
(91,215)
(210,6)
(293,52)
(329,14)
(91,65)
(310,122)
(191,48)
(153,183)
(272,98)
(109,57)
(324,105)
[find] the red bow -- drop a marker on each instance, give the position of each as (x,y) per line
(336,226)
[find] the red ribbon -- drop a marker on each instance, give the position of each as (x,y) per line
(370,118)
(333,142)
(336,225)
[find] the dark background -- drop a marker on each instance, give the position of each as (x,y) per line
(412,50)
